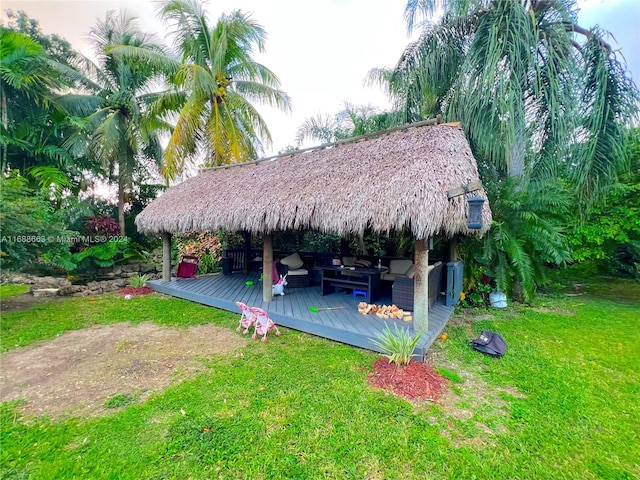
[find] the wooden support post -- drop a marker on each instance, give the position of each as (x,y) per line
(453,249)
(421,288)
(344,247)
(247,250)
(267,260)
(166,256)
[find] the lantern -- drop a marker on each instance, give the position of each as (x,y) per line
(474,220)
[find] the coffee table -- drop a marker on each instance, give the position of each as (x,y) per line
(364,279)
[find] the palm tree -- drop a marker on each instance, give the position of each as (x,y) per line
(27,83)
(537,94)
(117,127)
(351,121)
(36,69)
(544,103)
(214,86)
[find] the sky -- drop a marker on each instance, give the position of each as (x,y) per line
(322,49)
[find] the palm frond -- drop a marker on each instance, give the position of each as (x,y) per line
(321,128)
(214,88)
(158,61)
(184,139)
(610,105)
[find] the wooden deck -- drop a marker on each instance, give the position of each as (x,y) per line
(292,310)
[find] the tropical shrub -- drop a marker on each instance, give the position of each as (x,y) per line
(320,242)
(139,281)
(97,255)
(305,241)
(31,227)
(205,245)
(102,226)
(477,297)
(526,235)
(609,236)
(399,346)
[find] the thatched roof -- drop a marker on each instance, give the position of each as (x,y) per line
(395,181)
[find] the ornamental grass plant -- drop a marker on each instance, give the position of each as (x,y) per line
(399,346)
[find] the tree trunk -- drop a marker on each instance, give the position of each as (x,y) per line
(517,153)
(5,124)
(121,205)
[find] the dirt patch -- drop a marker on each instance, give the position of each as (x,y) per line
(471,401)
(24,302)
(415,381)
(474,394)
(74,374)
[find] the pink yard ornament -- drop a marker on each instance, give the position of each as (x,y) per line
(263,324)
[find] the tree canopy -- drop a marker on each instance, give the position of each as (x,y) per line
(537,94)
(545,104)
(115,126)
(214,82)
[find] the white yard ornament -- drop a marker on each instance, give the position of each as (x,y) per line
(278,288)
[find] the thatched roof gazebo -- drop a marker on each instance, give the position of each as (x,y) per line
(415,178)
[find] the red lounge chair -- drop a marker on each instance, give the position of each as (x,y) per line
(188,266)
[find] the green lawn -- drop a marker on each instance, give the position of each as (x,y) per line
(563,403)
(8,291)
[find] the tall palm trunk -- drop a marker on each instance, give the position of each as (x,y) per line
(121,187)
(5,125)
(517,154)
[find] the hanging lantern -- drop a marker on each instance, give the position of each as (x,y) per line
(474,220)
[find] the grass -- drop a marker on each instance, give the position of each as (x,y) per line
(121,400)
(46,321)
(9,290)
(564,402)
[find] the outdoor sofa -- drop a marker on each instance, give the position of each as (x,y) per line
(402,289)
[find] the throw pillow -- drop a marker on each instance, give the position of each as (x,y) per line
(293,261)
(362,263)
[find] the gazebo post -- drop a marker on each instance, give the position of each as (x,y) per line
(267,260)
(166,256)
(421,287)
(247,250)
(453,249)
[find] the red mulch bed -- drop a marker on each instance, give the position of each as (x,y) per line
(136,291)
(415,381)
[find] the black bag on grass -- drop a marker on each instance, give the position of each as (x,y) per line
(490,343)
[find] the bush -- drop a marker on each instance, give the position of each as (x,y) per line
(103,226)
(526,235)
(205,245)
(31,227)
(99,255)
(399,347)
(138,281)
(610,234)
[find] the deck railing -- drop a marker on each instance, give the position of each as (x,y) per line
(315,259)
